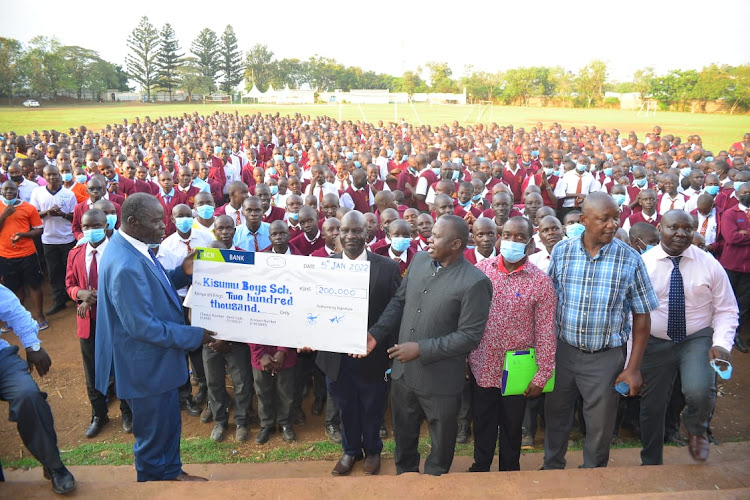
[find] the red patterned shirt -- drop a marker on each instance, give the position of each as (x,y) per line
(522,315)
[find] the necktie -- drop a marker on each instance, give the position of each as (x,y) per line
(255,240)
(671,206)
(676,322)
(579,188)
(187,244)
(167,199)
(320,195)
(704,227)
(163,274)
(93,272)
(237,220)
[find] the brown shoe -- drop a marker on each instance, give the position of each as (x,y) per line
(698,447)
(372,464)
(184,476)
(345,465)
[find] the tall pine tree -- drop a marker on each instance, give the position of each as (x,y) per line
(168,60)
(232,68)
(205,47)
(141,62)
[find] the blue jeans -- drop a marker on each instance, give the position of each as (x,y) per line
(661,362)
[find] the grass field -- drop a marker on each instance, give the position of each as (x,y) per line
(717,131)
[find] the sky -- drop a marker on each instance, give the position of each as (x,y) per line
(390,36)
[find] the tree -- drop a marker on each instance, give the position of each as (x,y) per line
(141,62)
(562,81)
(78,68)
(106,76)
(643,81)
(410,82)
(712,83)
(440,77)
(192,80)
(43,67)
(739,88)
(10,54)
(590,81)
(259,67)
(230,61)
(168,59)
(205,48)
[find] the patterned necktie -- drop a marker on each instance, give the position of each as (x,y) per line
(255,240)
(671,206)
(237,220)
(704,227)
(93,272)
(187,244)
(579,188)
(676,322)
(320,195)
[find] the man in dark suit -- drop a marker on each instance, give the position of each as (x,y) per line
(442,307)
(358,385)
(144,347)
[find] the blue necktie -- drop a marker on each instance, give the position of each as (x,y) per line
(676,323)
(163,275)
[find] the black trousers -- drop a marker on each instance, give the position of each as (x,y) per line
(408,408)
(495,414)
(56,257)
(741,286)
(28,408)
(97,399)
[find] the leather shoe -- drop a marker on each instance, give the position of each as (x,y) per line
(62,480)
(698,447)
(264,434)
(345,465)
(184,476)
(56,308)
(372,464)
(739,344)
(463,434)
(241,433)
(317,407)
(334,434)
(127,423)
(217,434)
(202,394)
(96,426)
(287,432)
(190,407)
(206,415)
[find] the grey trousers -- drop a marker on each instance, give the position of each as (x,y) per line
(237,363)
(592,375)
(275,396)
(662,362)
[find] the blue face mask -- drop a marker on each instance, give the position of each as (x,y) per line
(455,175)
(648,247)
(413,171)
(81,179)
(512,251)
(277,157)
(561,172)
(153,246)
(400,244)
(641,182)
(289,159)
(437,171)
(67,177)
(457,161)
(549,171)
(349,155)
(205,211)
(111,221)
(535,153)
(404,158)
(93,235)
(575,230)
(389,153)
(608,172)
(685,171)
(619,199)
(317,145)
(709,158)
(737,185)
(183,224)
(463,205)
(712,190)
(271,171)
(293,216)
(274,190)
(476,198)
(608,155)
(482,158)
(217,150)
(12,202)
(580,167)
(357,164)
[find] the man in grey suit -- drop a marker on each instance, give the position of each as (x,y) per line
(440,310)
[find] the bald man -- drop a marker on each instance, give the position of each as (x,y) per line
(599,282)
(440,311)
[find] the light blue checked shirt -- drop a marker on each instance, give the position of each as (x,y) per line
(14,314)
(595,296)
(244,239)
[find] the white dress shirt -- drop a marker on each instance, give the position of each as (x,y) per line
(540,259)
(711,223)
(709,300)
(568,184)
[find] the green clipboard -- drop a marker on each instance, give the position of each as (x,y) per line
(519,369)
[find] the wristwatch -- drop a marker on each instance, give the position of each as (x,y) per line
(35,346)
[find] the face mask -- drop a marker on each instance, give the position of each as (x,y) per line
(608,155)
(111,221)
(81,179)
(289,159)
(400,244)
(619,199)
(153,246)
(575,230)
(93,235)
(413,171)
(389,153)
(317,145)
(67,177)
(745,199)
(476,198)
(608,172)
(549,171)
(274,190)
(205,211)
(11,202)
(455,175)
(464,205)
(561,172)
(404,158)
(457,161)
(16,178)
(183,224)
(437,171)
(293,216)
(217,150)
(641,182)
(470,247)
(709,158)
(712,190)
(272,170)
(278,157)
(685,171)
(357,164)
(737,185)
(580,167)
(349,155)
(648,247)
(512,251)
(535,154)
(482,159)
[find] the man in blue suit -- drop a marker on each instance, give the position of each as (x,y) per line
(142,337)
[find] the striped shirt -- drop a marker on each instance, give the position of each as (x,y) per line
(597,294)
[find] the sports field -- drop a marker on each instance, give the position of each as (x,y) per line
(717,131)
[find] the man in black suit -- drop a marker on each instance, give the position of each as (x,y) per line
(440,310)
(358,385)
